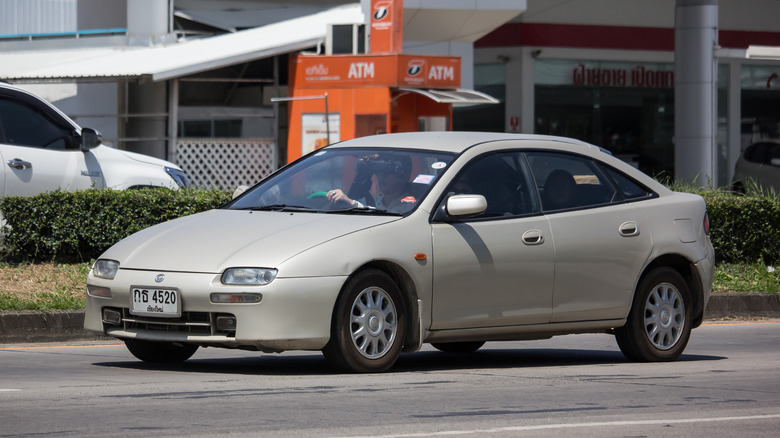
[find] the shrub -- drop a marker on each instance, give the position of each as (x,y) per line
(67,227)
(744,228)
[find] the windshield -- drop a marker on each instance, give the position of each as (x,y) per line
(355,180)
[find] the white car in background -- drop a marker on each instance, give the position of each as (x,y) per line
(758,165)
(41,150)
(376,245)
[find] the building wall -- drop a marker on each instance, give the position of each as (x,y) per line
(102,14)
(618,37)
(37,16)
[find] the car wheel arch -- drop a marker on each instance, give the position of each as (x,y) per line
(687,270)
(404,281)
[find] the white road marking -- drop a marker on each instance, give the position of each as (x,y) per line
(576,425)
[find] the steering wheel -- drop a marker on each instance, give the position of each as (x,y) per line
(329,205)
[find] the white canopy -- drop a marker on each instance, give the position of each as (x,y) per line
(179,59)
(459,96)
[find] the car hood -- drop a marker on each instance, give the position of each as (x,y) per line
(118,154)
(218,239)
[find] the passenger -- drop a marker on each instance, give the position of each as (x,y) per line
(559,190)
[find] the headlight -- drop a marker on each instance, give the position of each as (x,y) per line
(179,176)
(105,269)
(248,276)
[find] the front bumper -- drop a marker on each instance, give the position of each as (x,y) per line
(294,313)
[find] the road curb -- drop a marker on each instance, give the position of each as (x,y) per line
(54,326)
(734,305)
(68,325)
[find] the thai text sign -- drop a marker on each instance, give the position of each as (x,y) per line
(603,74)
(342,71)
(638,76)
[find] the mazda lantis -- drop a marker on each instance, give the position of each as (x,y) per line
(375,246)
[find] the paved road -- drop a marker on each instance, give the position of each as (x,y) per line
(727,384)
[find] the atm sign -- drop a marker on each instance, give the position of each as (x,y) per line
(376,70)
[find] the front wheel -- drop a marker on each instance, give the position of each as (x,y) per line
(160,351)
(659,324)
(369,324)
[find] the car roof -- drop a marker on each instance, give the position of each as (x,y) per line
(456,141)
(459,141)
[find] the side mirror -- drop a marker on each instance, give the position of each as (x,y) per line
(239,191)
(90,139)
(466,205)
(460,207)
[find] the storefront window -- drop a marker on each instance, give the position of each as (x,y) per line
(489,79)
(760,103)
(627,108)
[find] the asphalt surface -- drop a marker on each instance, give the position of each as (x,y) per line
(60,326)
(725,385)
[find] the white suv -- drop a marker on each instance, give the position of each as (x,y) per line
(44,150)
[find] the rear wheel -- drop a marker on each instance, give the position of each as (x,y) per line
(160,351)
(458,347)
(369,323)
(659,325)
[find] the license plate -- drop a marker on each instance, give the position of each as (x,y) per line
(155,302)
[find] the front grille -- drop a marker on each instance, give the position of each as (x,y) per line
(196,323)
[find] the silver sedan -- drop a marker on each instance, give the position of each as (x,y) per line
(374,246)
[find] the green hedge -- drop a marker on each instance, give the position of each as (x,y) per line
(744,228)
(67,227)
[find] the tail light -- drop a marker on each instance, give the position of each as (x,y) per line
(706,224)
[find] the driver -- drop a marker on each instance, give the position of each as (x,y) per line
(392,176)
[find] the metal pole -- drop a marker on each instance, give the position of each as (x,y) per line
(327,121)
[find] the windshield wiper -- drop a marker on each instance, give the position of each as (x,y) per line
(276,207)
(364,210)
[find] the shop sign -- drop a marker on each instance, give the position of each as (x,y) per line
(429,72)
(382,70)
(315,130)
(386,26)
(638,76)
(603,74)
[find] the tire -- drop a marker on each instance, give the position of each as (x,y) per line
(659,324)
(160,351)
(368,325)
(458,347)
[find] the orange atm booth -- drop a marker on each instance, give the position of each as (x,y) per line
(375,93)
(367,95)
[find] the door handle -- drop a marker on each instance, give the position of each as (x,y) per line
(629,229)
(19,164)
(533,237)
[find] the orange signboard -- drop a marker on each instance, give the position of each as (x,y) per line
(422,71)
(386,26)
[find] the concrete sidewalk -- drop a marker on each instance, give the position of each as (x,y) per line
(58,326)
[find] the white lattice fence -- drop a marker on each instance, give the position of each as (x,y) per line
(225,163)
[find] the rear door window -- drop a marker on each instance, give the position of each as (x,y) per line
(568,182)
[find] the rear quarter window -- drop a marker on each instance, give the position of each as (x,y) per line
(629,188)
